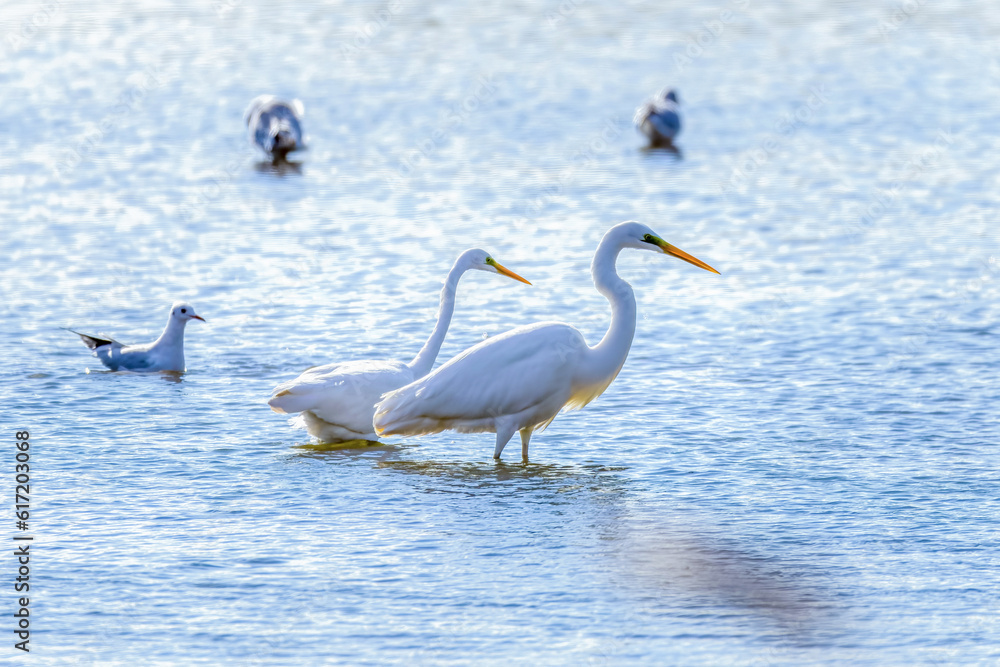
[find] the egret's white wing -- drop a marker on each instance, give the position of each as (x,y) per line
(341,393)
(513,373)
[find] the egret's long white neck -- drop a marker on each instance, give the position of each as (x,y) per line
(173,334)
(422,363)
(607,357)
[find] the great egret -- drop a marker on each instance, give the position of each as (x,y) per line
(660,119)
(274,126)
(166,353)
(520,380)
(337,401)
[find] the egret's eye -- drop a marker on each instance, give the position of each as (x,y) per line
(489,260)
(648,238)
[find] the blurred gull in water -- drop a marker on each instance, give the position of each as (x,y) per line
(274,126)
(166,353)
(660,119)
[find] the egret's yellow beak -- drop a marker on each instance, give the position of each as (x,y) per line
(507,272)
(680,254)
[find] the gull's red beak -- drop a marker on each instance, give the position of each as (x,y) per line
(197,317)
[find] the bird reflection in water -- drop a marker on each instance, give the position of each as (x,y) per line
(670,148)
(173,377)
(712,570)
(541,484)
(551,477)
(346,448)
(279,167)
(484,471)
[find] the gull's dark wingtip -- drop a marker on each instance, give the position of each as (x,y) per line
(92,342)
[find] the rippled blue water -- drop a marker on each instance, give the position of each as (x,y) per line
(798,463)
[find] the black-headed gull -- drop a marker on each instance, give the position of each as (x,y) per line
(660,119)
(337,401)
(166,353)
(274,126)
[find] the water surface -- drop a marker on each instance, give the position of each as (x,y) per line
(797,464)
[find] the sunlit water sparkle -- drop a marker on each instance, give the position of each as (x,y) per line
(798,463)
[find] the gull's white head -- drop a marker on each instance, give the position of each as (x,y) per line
(481,260)
(182,312)
(639,236)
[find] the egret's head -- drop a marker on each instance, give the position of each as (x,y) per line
(483,261)
(642,237)
(182,312)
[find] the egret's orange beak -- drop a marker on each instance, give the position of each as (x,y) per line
(197,317)
(680,254)
(510,274)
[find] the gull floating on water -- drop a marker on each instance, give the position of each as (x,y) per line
(660,119)
(166,353)
(337,401)
(274,126)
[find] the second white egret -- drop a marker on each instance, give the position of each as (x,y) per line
(337,401)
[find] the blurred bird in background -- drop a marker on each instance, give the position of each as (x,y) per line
(660,119)
(275,126)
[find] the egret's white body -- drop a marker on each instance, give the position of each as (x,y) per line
(166,353)
(337,401)
(520,380)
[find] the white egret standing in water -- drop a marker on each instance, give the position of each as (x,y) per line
(337,401)
(520,380)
